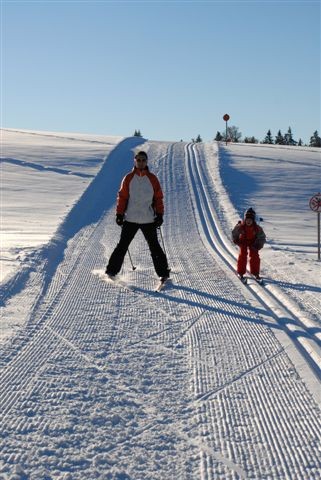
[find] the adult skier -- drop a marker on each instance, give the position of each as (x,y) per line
(139,206)
(250,237)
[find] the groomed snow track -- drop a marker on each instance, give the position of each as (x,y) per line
(304,333)
(195,382)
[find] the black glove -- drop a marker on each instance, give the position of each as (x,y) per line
(119,219)
(257,245)
(158,220)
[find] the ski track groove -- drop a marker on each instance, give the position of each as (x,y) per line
(271,298)
(226,404)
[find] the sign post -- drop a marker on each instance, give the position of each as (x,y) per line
(315,205)
(226,118)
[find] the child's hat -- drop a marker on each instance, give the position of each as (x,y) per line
(250,213)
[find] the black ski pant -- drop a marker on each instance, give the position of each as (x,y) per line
(128,232)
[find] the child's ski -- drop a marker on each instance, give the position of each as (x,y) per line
(258,280)
(242,278)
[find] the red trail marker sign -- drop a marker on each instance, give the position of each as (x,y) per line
(226,118)
(315,205)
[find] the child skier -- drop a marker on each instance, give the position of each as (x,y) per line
(250,237)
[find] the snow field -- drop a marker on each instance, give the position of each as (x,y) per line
(111,383)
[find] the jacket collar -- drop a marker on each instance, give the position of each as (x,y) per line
(139,172)
(245,225)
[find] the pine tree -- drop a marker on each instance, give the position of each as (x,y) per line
(198,139)
(251,140)
(218,137)
(300,142)
(137,133)
(288,138)
(315,140)
(268,138)
(279,139)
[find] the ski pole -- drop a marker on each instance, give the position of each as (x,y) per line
(160,231)
(131,261)
(130,258)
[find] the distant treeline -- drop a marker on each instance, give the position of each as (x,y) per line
(233,135)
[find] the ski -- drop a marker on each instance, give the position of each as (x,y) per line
(162,284)
(259,280)
(242,278)
(112,280)
(122,283)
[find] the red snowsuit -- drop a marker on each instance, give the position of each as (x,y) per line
(250,239)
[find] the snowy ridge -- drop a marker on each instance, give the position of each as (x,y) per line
(40,265)
(196,382)
(45,176)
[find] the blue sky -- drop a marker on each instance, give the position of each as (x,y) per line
(169,68)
